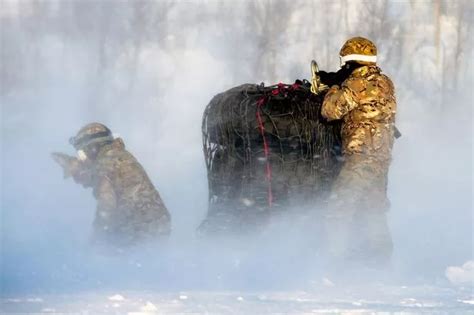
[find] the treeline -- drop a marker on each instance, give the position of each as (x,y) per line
(427,42)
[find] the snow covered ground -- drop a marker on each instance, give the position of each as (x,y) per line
(372,299)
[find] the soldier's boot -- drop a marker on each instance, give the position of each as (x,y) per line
(338,232)
(379,240)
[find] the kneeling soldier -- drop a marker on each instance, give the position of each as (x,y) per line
(129,208)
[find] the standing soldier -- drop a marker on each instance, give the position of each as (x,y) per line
(129,208)
(356,224)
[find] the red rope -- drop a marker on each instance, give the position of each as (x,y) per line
(266,150)
(281,89)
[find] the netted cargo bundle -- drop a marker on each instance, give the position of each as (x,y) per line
(267,150)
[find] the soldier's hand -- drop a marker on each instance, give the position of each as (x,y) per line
(69,164)
(323,87)
(327,78)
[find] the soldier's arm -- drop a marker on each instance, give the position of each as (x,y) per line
(328,78)
(339,101)
(84,175)
(332,78)
(72,167)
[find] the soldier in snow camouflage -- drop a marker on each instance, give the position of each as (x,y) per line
(129,208)
(356,224)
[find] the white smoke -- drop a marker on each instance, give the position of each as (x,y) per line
(148,69)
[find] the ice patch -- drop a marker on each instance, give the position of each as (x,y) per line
(35,300)
(149,307)
(327,282)
(459,275)
(13,300)
(341,311)
(116,297)
(48,310)
(411,302)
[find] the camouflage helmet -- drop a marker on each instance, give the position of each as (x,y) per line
(93,133)
(358,49)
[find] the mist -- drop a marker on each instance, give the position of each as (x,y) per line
(147,69)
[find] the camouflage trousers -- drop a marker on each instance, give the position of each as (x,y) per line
(128,226)
(356,226)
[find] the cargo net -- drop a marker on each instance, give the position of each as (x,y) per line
(267,150)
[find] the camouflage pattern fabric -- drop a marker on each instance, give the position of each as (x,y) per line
(129,208)
(356,221)
(360,46)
